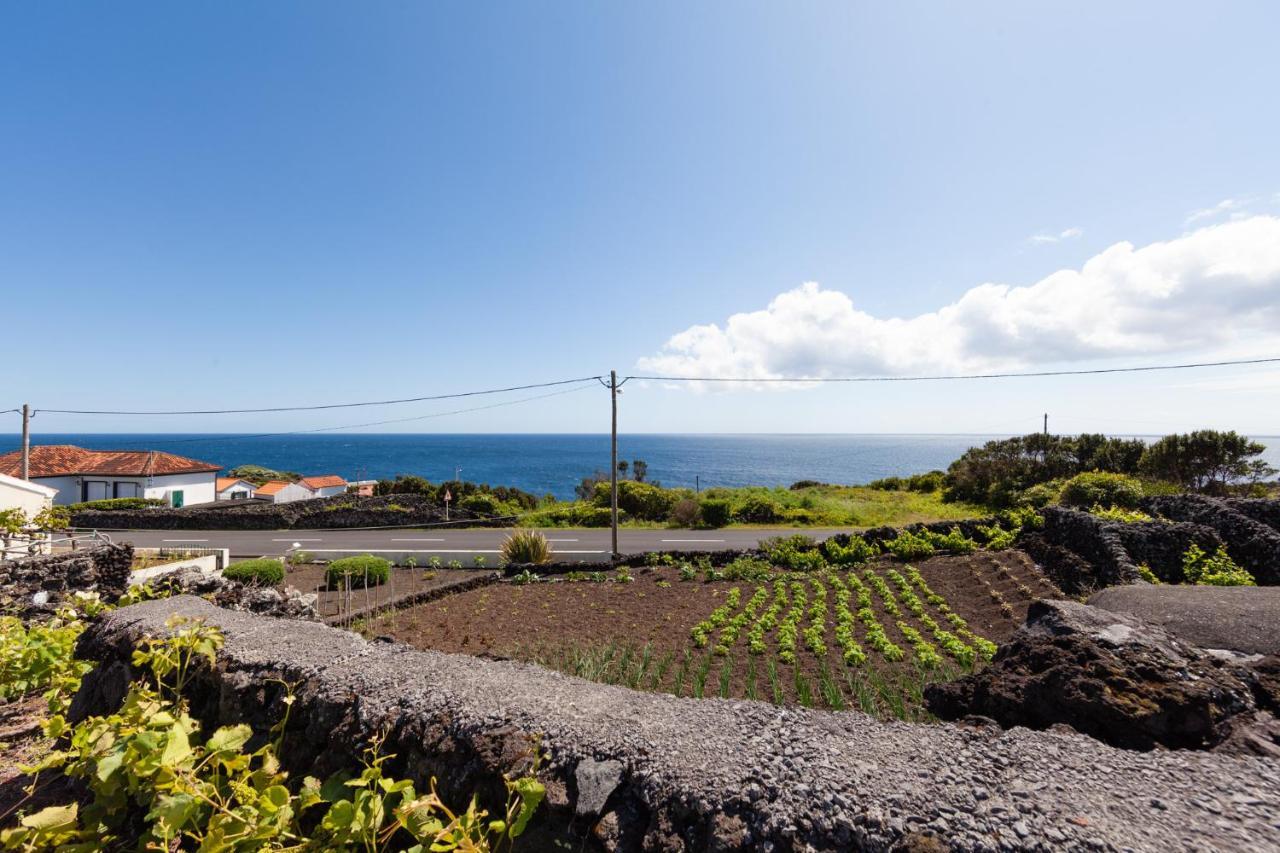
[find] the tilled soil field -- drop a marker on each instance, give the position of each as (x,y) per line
(402,583)
(641,634)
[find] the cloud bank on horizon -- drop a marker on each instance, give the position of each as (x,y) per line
(1213,288)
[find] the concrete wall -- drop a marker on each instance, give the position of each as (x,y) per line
(330,491)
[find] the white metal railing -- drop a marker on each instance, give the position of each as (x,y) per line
(34,545)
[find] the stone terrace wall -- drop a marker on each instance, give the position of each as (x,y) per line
(1079,551)
(336,511)
(633,771)
(1252,543)
(104,569)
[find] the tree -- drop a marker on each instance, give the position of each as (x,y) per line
(639,469)
(1205,460)
(586,490)
(622,467)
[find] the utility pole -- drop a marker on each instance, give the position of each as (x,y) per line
(613,460)
(26,441)
(1046,424)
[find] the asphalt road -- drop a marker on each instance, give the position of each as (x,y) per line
(571,543)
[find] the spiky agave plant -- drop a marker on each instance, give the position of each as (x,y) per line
(526,547)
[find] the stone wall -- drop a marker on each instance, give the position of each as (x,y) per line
(36,585)
(1252,543)
(626,770)
(339,511)
(1079,551)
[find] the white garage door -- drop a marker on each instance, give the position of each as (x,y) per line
(95,490)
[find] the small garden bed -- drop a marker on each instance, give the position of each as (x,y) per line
(641,633)
(402,583)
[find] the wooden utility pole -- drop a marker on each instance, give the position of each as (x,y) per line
(26,441)
(1046,424)
(613,461)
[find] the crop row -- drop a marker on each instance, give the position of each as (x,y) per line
(795,602)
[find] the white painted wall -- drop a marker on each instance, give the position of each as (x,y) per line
(28,497)
(196,488)
(329,491)
(68,488)
(290,493)
(236,491)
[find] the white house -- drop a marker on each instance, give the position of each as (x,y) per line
(282,492)
(29,497)
(235,489)
(325,485)
(79,475)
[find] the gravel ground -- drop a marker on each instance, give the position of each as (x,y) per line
(724,774)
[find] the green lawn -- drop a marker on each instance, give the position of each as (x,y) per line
(815,506)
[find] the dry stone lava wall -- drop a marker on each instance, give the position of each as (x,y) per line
(103,569)
(636,771)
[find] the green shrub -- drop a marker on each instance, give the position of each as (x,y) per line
(686,513)
(264,570)
(364,570)
(909,546)
(855,553)
(1216,569)
(715,512)
(953,540)
(798,553)
(758,510)
(1115,513)
(931,481)
(481,504)
(744,569)
(1039,496)
(1100,488)
(526,547)
(118,504)
(644,501)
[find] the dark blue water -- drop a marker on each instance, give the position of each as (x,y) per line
(555,463)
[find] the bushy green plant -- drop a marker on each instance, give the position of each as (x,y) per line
(930,481)
(481,504)
(953,540)
(526,547)
(686,513)
(1038,496)
(1116,513)
(363,570)
(644,501)
(1217,569)
(153,780)
(714,512)
(263,570)
(1100,488)
(997,538)
(854,553)
(757,509)
(527,576)
(798,553)
(909,546)
(747,569)
(37,656)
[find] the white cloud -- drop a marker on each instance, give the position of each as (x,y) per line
(1227,205)
(1066,234)
(1212,288)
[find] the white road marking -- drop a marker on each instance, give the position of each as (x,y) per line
(184,540)
(562,540)
(297,540)
(417,540)
(692,540)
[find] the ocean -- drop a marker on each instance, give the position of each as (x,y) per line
(543,463)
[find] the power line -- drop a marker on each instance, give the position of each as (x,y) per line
(237,437)
(329,405)
(963,376)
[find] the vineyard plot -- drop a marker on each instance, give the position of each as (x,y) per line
(867,637)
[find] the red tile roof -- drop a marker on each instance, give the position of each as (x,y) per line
(271,487)
(225,483)
(61,460)
(322,481)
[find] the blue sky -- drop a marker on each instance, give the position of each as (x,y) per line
(241,205)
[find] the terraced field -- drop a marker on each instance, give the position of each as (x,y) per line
(869,637)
